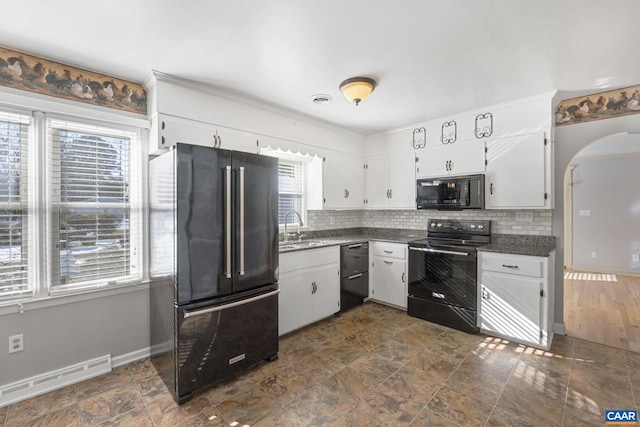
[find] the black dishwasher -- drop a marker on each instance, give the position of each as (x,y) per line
(354,275)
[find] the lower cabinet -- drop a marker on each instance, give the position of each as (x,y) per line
(388,274)
(515,297)
(309,287)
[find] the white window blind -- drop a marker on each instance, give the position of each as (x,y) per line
(94,215)
(291,194)
(14,219)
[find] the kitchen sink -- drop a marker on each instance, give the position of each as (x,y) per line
(307,244)
(289,246)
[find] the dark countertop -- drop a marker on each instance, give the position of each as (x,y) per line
(517,244)
(350,236)
(521,244)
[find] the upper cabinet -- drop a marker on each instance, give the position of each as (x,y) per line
(390,181)
(167,130)
(519,171)
(343,181)
(458,158)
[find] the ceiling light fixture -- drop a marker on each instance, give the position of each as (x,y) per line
(357,89)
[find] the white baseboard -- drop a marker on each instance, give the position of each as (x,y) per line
(130,357)
(53,380)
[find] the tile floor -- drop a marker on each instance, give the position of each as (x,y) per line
(372,366)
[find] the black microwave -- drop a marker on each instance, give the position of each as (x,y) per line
(451,193)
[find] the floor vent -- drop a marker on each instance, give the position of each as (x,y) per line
(49,381)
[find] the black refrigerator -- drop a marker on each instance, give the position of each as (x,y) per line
(213,264)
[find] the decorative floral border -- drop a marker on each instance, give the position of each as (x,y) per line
(21,71)
(598,106)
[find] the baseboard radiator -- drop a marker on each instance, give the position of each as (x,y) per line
(49,381)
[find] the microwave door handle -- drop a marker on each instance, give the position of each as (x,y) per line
(227,174)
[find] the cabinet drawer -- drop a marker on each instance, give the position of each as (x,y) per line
(512,264)
(390,250)
(354,259)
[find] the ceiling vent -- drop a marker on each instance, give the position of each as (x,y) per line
(321,99)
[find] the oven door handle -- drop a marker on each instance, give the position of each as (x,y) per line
(438,251)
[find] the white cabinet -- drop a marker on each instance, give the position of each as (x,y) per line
(390,181)
(388,274)
(518,174)
(515,297)
(457,158)
(167,130)
(309,287)
(343,181)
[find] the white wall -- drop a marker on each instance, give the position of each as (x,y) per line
(608,188)
(569,140)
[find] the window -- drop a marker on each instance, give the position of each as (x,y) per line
(291,194)
(92,183)
(300,184)
(70,211)
(14,212)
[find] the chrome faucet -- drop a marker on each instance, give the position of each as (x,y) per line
(285,223)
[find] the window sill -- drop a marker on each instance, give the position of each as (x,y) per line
(70,297)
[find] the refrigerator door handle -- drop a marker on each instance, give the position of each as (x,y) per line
(242,220)
(228,220)
(188,314)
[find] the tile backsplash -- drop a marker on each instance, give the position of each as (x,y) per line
(502,221)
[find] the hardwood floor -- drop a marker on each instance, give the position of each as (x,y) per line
(603,308)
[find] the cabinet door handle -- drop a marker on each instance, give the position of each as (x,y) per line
(510,266)
(345,194)
(348,194)
(388,252)
(387,194)
(491,188)
(391,193)
(402,277)
(485,294)
(450,165)
(388,262)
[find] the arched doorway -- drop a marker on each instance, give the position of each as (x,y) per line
(602,242)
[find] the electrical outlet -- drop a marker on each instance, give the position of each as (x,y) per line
(16,343)
(594,254)
(635,257)
(585,212)
(524,216)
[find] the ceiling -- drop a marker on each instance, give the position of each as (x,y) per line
(431,58)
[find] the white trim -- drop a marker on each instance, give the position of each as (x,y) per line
(20,306)
(54,380)
(125,359)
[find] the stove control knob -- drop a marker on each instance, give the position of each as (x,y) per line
(472,226)
(480,227)
(433,224)
(439,225)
